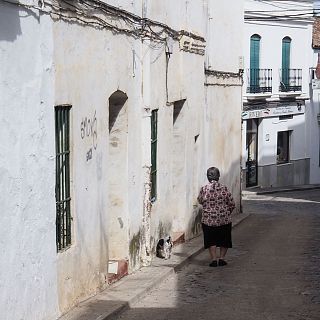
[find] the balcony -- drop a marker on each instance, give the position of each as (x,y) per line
(259,84)
(290,82)
(259,80)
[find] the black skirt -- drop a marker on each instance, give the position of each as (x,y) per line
(219,236)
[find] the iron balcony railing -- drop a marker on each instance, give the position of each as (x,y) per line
(259,80)
(290,80)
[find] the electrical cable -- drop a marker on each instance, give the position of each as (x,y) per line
(299,12)
(122,21)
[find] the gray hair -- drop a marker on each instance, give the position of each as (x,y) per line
(213,173)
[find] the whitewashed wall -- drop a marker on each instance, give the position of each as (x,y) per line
(28,268)
(224,29)
(314,132)
(313,109)
(268,147)
(222,118)
(271,50)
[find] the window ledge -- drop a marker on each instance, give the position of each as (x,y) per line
(284,164)
(258,96)
(290,94)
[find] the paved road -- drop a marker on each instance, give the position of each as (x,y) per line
(273,271)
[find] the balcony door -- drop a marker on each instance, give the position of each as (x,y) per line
(286,44)
(254,63)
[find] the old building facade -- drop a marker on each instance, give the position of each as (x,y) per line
(280,125)
(111,112)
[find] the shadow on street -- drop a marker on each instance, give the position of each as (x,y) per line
(273,271)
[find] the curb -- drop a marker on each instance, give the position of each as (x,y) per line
(117,298)
(289,189)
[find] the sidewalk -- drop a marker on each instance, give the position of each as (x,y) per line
(267,190)
(129,289)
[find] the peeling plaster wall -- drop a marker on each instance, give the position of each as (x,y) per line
(173,209)
(28,279)
(88,71)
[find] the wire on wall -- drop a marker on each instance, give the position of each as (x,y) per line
(101,15)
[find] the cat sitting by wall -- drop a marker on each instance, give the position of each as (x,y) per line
(164,248)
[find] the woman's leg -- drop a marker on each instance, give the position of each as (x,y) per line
(223,252)
(213,252)
(213,255)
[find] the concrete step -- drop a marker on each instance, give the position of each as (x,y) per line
(178,238)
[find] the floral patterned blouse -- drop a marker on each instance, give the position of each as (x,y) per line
(217,203)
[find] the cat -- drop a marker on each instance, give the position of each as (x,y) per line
(164,248)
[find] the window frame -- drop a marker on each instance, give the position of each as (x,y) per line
(62,115)
(255,48)
(154,147)
(285,145)
(285,60)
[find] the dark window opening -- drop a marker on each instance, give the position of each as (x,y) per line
(252,152)
(283,143)
(285,117)
(177,107)
(116,102)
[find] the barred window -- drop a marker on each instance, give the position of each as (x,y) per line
(63,199)
(154,142)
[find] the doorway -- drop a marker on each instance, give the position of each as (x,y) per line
(252,153)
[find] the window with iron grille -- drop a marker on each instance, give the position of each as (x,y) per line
(154,142)
(63,199)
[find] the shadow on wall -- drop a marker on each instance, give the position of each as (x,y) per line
(10,16)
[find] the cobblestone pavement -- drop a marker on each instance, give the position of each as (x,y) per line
(273,271)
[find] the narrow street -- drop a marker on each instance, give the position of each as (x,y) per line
(273,271)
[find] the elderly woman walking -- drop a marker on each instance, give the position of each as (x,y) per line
(218,204)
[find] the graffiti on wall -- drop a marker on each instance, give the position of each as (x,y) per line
(88,130)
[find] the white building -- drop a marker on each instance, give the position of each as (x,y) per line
(110,116)
(280,127)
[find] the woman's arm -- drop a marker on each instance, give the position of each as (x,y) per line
(200,196)
(230,200)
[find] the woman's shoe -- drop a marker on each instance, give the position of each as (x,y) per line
(222,263)
(213,263)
